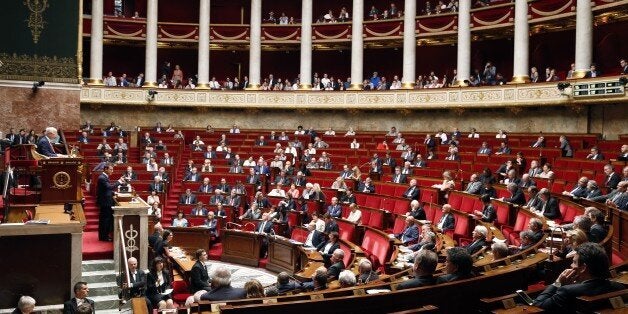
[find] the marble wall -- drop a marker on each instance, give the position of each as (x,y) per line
(55,105)
(607,119)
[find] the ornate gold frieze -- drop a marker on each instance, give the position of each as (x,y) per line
(38,68)
(35,20)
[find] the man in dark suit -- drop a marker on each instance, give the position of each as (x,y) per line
(199,279)
(130,175)
(299,179)
(447,220)
(389,161)
(221,287)
(612,178)
(488,213)
(334,209)
(328,247)
(284,284)
(266,225)
(330,224)
(217,198)
(193,176)
(366,186)
(104,200)
(81,291)
(398,177)
(337,264)
(253,178)
(45,143)
(549,206)
(314,237)
(156,236)
(346,173)
(137,278)
(475,185)
(188,198)
(412,193)
(479,239)
(458,265)
(424,266)
(410,233)
(586,277)
(233,199)
(348,197)
(516,195)
(165,177)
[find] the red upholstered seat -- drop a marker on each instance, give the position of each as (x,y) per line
(360,198)
(503,213)
(388,204)
(401,207)
(346,230)
(366,215)
(377,247)
(399,225)
(438,213)
(180,291)
(293,218)
(461,230)
(372,201)
(455,200)
(429,196)
(195,221)
(348,256)
(376,220)
(299,234)
(512,232)
(387,189)
(568,212)
(467,204)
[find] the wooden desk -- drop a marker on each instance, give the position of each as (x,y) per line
(285,255)
(520,309)
(241,247)
(191,238)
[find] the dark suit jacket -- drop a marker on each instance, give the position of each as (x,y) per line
(154,238)
(363,188)
(562,300)
(224,293)
(70,307)
(401,178)
(333,247)
(138,284)
(348,199)
(412,193)
(331,226)
(419,214)
(104,194)
(317,238)
(153,292)
(517,198)
(334,270)
(488,213)
(450,222)
(44,147)
(610,183)
(199,279)
(452,277)
(267,228)
(550,209)
(183,198)
(417,282)
(476,246)
(597,233)
(157,187)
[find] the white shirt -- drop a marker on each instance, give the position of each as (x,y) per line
(320,225)
(308,240)
(355,145)
(277,192)
(355,216)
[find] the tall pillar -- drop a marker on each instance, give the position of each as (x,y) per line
(151,44)
(95,59)
(203,45)
(521,50)
(464,42)
(584,38)
(306,44)
(255,50)
(357,45)
(409,45)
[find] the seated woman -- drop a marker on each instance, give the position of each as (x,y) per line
(278,191)
(448,182)
(339,184)
(158,281)
(293,191)
(155,210)
(211,223)
(574,239)
(547,172)
(152,198)
(180,221)
(355,215)
(207,166)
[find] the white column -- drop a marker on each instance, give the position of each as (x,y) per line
(409,45)
(464,42)
(95,52)
(522,34)
(306,44)
(584,37)
(151,44)
(203,45)
(357,45)
(255,50)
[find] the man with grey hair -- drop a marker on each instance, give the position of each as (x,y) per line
(346,279)
(337,264)
(25,305)
(516,194)
(366,273)
(475,185)
(500,250)
(479,239)
(45,144)
(221,287)
(580,190)
(424,266)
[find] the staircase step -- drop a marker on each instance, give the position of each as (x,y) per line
(99,276)
(103,289)
(107,302)
(99,264)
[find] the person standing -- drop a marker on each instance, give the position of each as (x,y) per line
(104,200)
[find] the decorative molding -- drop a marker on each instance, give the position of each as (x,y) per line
(506,96)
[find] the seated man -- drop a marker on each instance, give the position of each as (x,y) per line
(479,239)
(222,289)
(199,210)
(137,278)
(413,191)
(81,292)
(366,273)
(587,276)
(188,198)
(346,279)
(284,284)
(424,266)
(334,209)
(327,248)
(252,213)
(458,265)
(314,237)
(410,233)
(337,264)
